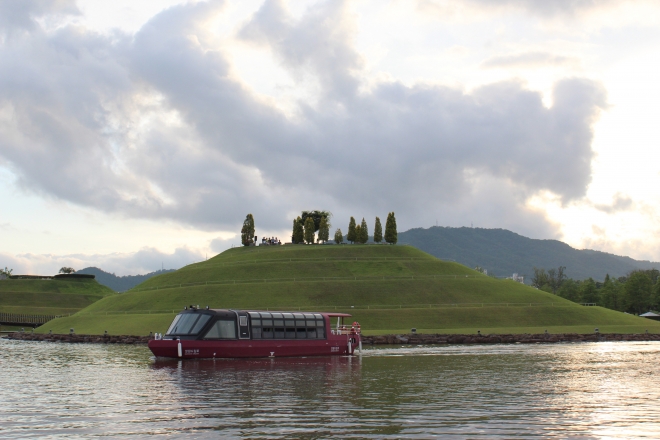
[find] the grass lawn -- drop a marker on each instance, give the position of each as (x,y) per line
(393,289)
(49,297)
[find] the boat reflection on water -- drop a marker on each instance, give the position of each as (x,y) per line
(303,373)
(344,363)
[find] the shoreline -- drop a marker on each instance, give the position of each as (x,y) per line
(400,339)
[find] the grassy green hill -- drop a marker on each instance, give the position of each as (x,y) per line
(49,297)
(387,288)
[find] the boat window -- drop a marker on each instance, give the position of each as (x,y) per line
(222,329)
(318,316)
(184,324)
(201,322)
(242,321)
(254,314)
(298,328)
(277,315)
(266,315)
(176,319)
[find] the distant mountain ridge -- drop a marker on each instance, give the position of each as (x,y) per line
(120,284)
(503,253)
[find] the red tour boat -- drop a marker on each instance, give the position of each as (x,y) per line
(227,333)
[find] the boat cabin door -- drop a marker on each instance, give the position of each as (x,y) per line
(243,325)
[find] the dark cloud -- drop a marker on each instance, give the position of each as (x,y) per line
(155,126)
(528,59)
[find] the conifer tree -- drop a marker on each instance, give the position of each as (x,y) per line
(363,237)
(247,231)
(324,230)
(358,235)
(309,230)
(391,235)
(351,231)
(378,231)
(298,233)
(338,236)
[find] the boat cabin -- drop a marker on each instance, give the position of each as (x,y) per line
(228,324)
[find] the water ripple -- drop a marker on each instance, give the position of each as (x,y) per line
(599,390)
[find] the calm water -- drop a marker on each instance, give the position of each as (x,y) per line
(599,390)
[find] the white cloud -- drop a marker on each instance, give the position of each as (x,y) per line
(155,127)
(155,122)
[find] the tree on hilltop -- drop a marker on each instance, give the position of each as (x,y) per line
(351,231)
(378,231)
(338,236)
(298,233)
(363,235)
(391,235)
(67,270)
(247,232)
(324,230)
(317,216)
(309,230)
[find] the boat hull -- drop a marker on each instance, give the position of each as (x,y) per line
(191,349)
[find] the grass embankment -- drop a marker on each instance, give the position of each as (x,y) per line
(49,297)
(387,288)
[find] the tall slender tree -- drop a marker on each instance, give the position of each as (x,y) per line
(378,231)
(309,230)
(338,236)
(351,231)
(363,236)
(391,235)
(324,230)
(358,235)
(298,233)
(247,232)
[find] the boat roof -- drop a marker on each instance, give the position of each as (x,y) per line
(330,314)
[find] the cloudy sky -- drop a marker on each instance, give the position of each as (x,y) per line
(138,135)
